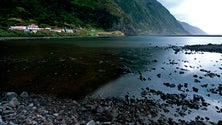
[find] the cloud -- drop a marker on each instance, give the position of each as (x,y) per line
(171,3)
(205,14)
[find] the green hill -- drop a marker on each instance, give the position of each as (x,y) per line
(130,16)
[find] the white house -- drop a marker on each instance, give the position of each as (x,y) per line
(33,27)
(17,27)
(68,30)
(58,30)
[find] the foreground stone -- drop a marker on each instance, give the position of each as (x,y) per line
(48,110)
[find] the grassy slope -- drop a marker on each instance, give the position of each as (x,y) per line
(129,16)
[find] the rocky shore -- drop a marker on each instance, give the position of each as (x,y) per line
(32,109)
(152,107)
(207,48)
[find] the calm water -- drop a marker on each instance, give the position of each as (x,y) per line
(146,57)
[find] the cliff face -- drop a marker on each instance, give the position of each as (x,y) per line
(130,16)
(192,29)
(149,17)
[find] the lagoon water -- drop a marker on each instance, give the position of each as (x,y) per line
(152,63)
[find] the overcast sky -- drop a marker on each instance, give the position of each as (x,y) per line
(205,14)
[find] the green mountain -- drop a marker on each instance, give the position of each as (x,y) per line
(192,29)
(130,16)
(150,17)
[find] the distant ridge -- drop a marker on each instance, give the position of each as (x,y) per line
(192,29)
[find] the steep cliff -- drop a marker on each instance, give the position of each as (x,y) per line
(192,29)
(130,16)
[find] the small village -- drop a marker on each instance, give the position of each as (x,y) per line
(33,28)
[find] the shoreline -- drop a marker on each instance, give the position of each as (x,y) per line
(85,36)
(205,48)
(49,110)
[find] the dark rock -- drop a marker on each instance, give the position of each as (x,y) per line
(163,96)
(195,76)
(195,89)
(14,102)
(158,75)
(155,60)
(219,122)
(24,95)
(92,122)
(172,85)
(196,80)
(166,84)
(10,95)
(185,85)
(179,86)
(149,79)
(204,85)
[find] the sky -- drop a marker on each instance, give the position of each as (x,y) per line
(205,14)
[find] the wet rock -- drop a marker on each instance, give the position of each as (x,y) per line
(203,70)
(24,95)
(92,122)
(1,121)
(185,85)
(195,89)
(166,84)
(149,79)
(169,85)
(47,123)
(155,60)
(196,80)
(195,76)
(172,85)
(14,102)
(29,122)
(219,122)
(158,75)
(10,95)
(179,86)
(204,85)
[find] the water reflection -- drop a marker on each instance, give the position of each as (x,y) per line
(201,71)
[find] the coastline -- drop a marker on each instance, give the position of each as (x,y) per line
(105,36)
(48,109)
(205,48)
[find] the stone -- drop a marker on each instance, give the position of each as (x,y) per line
(47,123)
(14,102)
(24,95)
(10,95)
(172,85)
(1,119)
(195,89)
(195,76)
(196,80)
(12,123)
(158,75)
(219,122)
(28,122)
(166,84)
(92,122)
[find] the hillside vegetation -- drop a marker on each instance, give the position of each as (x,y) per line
(130,16)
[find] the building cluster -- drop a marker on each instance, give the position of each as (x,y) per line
(35,28)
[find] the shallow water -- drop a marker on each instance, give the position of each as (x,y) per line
(189,67)
(151,62)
